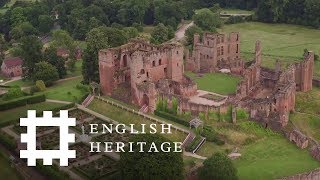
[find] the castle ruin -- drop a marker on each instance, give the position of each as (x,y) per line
(142,72)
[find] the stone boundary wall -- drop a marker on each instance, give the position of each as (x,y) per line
(312,175)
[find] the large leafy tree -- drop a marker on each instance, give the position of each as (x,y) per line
(45,23)
(161,34)
(218,166)
(97,39)
(23,29)
(3,48)
(150,165)
(190,33)
(207,20)
(50,55)
(31,51)
(45,72)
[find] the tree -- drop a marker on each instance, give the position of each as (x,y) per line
(45,72)
(219,167)
(190,33)
(31,52)
(23,29)
(62,39)
(50,55)
(150,165)
(207,20)
(161,34)
(174,106)
(131,32)
(45,23)
(97,39)
(3,48)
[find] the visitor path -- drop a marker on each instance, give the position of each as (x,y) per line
(180,33)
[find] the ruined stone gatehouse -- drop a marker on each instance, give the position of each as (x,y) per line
(215,52)
(144,70)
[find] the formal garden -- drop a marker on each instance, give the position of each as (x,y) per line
(98,169)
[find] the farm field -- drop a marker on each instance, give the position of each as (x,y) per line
(216,82)
(279,41)
(127,118)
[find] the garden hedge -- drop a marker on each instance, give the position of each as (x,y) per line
(7,141)
(22,101)
(171,117)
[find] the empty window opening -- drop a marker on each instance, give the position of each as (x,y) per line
(153,63)
(160,62)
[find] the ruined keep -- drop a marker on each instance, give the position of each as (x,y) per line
(140,71)
(215,52)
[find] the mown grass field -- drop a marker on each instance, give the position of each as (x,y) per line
(279,41)
(16,113)
(216,82)
(266,156)
(66,90)
(127,118)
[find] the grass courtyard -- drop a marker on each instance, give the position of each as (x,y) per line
(127,118)
(279,41)
(216,82)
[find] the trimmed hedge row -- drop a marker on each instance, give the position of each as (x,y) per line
(52,172)
(7,141)
(171,117)
(22,101)
(39,113)
(193,145)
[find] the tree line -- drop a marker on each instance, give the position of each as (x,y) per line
(303,12)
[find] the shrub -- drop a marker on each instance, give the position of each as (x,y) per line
(52,171)
(40,85)
(171,117)
(242,114)
(212,136)
(12,94)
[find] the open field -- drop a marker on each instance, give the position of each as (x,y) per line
(127,118)
(21,83)
(16,113)
(265,154)
(216,82)
(279,41)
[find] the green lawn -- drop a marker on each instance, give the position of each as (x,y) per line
(272,158)
(16,113)
(66,90)
(77,71)
(216,82)
(7,172)
(267,156)
(279,41)
(307,115)
(21,83)
(127,118)
(235,11)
